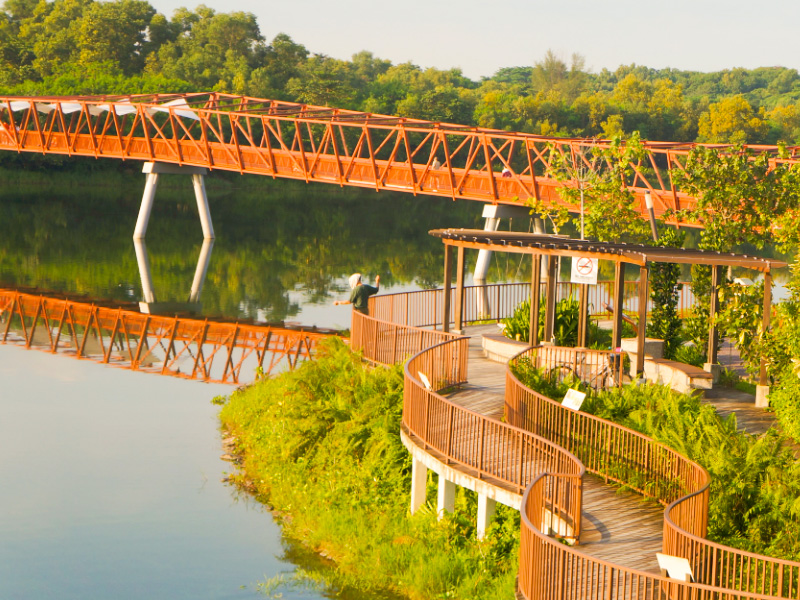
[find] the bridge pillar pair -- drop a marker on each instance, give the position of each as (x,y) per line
(446,497)
(153,170)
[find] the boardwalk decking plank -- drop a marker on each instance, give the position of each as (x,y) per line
(617,526)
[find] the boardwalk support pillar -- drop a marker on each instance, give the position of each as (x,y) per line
(486,508)
(446,500)
(419,479)
(153,170)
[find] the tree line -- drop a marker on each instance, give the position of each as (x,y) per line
(69,47)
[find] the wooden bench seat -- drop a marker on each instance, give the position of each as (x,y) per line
(499,348)
(679,376)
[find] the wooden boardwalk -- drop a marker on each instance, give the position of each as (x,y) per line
(619,527)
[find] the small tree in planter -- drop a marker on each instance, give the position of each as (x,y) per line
(565,329)
(664,322)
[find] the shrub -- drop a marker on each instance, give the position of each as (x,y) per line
(565,329)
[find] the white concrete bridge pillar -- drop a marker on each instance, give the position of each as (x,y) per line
(419,479)
(446,501)
(486,508)
(153,170)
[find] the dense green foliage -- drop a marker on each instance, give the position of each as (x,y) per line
(565,329)
(755,481)
(125,46)
(322,446)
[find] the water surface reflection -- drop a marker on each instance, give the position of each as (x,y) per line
(112,488)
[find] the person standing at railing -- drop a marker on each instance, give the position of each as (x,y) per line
(359,297)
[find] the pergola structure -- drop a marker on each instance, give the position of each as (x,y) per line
(620,254)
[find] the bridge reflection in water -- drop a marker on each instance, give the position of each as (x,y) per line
(200,349)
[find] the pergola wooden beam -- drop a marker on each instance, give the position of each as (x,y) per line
(621,254)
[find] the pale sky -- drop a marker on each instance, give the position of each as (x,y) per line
(481,37)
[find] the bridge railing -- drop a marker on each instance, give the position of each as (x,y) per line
(627,457)
(496,301)
(726,567)
(614,452)
(388,343)
(485,447)
(547,447)
(552,570)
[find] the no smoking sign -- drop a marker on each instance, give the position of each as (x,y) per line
(584,270)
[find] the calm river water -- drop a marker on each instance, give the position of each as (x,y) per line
(111,479)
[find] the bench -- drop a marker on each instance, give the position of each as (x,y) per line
(677,375)
(499,348)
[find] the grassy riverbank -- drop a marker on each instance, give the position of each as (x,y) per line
(321,446)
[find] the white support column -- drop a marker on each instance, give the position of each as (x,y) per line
(447,496)
(492,213)
(486,507)
(147,205)
(484,256)
(202,270)
(202,206)
(152,170)
(419,479)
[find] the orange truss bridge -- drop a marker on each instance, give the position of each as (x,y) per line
(209,351)
(329,145)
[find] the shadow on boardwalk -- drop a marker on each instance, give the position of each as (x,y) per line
(618,526)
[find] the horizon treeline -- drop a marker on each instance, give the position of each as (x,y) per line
(72,47)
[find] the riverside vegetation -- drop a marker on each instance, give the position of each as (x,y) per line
(321,445)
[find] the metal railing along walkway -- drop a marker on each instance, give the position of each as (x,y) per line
(566,444)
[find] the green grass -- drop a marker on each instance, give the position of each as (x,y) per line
(321,446)
(745,386)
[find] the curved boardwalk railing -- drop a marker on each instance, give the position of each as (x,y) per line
(545,448)
(497,301)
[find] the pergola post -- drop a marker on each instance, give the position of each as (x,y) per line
(644,271)
(550,300)
(460,290)
(536,293)
(713,331)
(448,267)
(583,313)
(762,389)
(619,298)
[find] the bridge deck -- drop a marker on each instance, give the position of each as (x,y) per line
(617,526)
